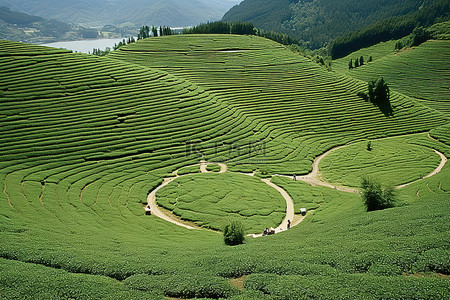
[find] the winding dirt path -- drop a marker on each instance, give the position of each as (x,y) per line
(313,177)
(437,170)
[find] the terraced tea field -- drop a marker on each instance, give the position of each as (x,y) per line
(420,72)
(308,109)
(86,139)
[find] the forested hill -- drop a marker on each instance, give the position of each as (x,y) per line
(317,22)
(18,26)
(116,12)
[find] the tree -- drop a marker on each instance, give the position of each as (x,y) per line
(350,64)
(379,92)
(370,59)
(144,32)
(369,146)
(155,31)
(356,63)
(361,60)
(376,197)
(233,233)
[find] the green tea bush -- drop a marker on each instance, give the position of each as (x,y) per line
(183,285)
(213,168)
(233,233)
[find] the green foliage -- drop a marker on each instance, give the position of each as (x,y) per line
(144,33)
(213,168)
(233,233)
(375,197)
(392,28)
(417,37)
(379,92)
(179,285)
(209,28)
(369,146)
(316,23)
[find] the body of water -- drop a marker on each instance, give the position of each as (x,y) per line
(85,46)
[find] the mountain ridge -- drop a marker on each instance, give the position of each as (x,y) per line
(173,13)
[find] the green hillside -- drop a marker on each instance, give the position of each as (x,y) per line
(420,72)
(318,22)
(85,139)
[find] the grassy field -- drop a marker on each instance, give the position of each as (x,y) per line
(420,72)
(211,200)
(85,139)
(393,160)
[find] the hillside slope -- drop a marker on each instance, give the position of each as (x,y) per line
(320,21)
(138,12)
(85,139)
(313,108)
(420,72)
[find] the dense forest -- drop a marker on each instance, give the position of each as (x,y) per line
(317,22)
(392,28)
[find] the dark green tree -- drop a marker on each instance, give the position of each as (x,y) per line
(155,31)
(379,91)
(370,58)
(361,60)
(233,233)
(376,197)
(144,32)
(356,63)
(350,64)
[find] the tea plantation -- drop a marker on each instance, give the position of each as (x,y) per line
(420,72)
(85,139)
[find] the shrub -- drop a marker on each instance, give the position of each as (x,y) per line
(375,196)
(233,233)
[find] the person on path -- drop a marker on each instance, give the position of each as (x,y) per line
(294,177)
(289,224)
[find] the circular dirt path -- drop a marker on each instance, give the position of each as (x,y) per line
(170,217)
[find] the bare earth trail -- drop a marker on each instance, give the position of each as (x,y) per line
(313,178)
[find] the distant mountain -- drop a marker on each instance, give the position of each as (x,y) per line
(136,12)
(23,27)
(317,22)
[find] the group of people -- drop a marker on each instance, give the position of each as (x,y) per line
(270,231)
